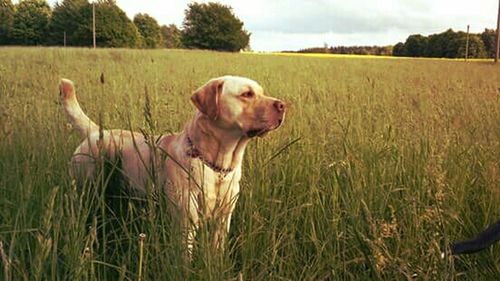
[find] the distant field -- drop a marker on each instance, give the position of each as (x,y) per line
(391,160)
(320,55)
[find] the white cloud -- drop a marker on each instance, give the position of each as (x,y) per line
(279,41)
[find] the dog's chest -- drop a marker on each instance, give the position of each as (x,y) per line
(217,190)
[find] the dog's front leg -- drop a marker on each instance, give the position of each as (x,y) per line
(222,229)
(221,232)
(191,223)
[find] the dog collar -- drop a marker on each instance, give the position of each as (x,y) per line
(194,152)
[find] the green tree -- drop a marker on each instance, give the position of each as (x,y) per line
(415,45)
(67,17)
(438,44)
(476,47)
(31,22)
(398,50)
(171,36)
(6,21)
(149,29)
(489,39)
(113,27)
(434,46)
(213,26)
(457,47)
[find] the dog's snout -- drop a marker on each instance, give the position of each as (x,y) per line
(279,105)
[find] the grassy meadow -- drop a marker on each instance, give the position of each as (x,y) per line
(379,165)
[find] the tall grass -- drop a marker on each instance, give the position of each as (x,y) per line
(379,165)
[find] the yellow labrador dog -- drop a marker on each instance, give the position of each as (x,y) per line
(200,167)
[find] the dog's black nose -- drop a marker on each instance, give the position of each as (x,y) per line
(279,105)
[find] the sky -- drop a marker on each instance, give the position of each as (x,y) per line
(278,25)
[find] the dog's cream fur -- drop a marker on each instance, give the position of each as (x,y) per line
(199,168)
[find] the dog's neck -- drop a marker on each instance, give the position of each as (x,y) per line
(220,147)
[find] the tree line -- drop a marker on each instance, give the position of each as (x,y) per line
(351,50)
(34,22)
(448,44)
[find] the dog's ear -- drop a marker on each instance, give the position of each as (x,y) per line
(206,98)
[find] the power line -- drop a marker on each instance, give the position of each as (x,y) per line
(467,44)
(498,34)
(93,23)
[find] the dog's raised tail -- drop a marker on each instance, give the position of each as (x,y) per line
(78,119)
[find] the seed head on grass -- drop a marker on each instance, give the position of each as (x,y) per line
(142,237)
(148,114)
(86,253)
(86,260)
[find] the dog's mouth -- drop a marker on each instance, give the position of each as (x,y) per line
(257,132)
(260,132)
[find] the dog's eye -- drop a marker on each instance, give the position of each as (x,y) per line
(248,94)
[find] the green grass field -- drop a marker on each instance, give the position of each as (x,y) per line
(379,165)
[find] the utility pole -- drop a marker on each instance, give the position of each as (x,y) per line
(467,44)
(93,23)
(498,33)
(64,38)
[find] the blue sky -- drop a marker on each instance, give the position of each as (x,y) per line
(295,24)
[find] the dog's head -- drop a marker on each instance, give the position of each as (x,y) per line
(237,103)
